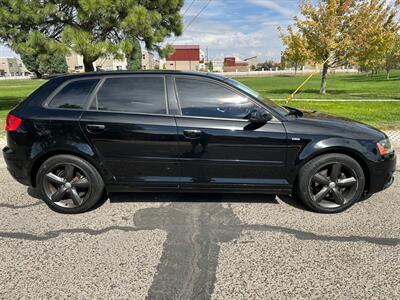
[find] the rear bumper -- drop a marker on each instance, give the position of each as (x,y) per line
(16,166)
(382,173)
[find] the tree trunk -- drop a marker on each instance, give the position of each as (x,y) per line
(88,66)
(387,74)
(38,74)
(322,90)
(295,69)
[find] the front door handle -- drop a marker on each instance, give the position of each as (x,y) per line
(95,128)
(192,133)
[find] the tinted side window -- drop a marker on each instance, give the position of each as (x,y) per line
(207,99)
(132,94)
(74,94)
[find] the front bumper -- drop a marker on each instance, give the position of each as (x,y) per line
(382,173)
(16,166)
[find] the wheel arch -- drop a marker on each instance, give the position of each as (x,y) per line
(356,155)
(45,156)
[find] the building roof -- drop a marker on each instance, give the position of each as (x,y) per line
(180,47)
(249,58)
(185,53)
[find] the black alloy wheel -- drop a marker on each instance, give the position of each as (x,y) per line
(69,184)
(331,183)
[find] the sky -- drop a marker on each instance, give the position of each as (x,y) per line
(242,28)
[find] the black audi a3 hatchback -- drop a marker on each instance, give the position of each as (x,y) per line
(80,136)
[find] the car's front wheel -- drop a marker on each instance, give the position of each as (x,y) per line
(69,184)
(331,183)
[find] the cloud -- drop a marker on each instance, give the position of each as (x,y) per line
(274,6)
(225,39)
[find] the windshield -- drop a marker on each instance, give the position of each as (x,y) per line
(258,96)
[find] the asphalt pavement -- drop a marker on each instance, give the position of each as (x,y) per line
(171,246)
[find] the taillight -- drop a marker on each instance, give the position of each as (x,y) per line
(12,122)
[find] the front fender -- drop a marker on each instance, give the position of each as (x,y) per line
(365,150)
(299,154)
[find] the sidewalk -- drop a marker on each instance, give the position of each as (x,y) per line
(394,137)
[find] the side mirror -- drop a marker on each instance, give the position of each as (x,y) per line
(259,116)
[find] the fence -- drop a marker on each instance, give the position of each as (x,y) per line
(14,77)
(282,72)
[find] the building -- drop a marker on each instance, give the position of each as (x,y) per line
(185,58)
(252,61)
(218,65)
(12,66)
(107,63)
(234,64)
(75,63)
(148,62)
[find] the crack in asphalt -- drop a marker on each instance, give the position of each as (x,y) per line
(189,261)
(54,234)
(12,206)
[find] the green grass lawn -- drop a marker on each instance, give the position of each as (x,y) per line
(385,115)
(339,86)
(14,91)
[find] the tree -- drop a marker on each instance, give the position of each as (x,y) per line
(134,57)
(323,28)
(339,31)
(91,28)
(210,66)
(41,56)
(52,64)
(41,64)
(267,65)
(296,52)
(392,60)
(374,45)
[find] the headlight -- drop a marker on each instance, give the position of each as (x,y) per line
(384,147)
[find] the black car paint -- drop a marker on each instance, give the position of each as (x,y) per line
(139,152)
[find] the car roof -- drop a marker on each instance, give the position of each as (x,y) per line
(150,72)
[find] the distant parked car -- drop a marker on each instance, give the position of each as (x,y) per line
(79,136)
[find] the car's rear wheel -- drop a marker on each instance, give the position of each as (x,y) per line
(69,184)
(331,183)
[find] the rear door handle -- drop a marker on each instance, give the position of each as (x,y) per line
(95,128)
(192,133)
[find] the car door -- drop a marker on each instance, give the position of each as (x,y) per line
(130,128)
(217,147)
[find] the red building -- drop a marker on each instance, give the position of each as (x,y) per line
(231,65)
(185,58)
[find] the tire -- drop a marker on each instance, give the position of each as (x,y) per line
(330,183)
(69,184)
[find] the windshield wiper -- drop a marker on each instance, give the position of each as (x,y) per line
(293,111)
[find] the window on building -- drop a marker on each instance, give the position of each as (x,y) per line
(132,94)
(208,99)
(74,95)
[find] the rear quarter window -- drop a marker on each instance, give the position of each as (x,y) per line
(74,95)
